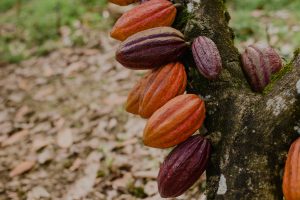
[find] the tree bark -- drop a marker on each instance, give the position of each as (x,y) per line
(250,132)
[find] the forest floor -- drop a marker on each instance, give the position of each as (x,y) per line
(65,134)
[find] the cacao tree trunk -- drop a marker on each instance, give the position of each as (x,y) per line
(250,132)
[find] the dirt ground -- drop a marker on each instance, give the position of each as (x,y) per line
(64,133)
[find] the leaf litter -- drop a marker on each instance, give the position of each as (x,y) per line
(64,133)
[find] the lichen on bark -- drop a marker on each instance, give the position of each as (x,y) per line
(250,132)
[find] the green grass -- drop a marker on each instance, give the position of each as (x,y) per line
(260,20)
(265,4)
(34,23)
(31,27)
(7,4)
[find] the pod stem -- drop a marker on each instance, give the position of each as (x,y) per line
(177,5)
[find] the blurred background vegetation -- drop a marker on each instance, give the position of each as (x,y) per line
(33,27)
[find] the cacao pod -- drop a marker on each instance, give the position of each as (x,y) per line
(271,57)
(183,166)
(151,48)
(151,14)
(175,121)
(291,178)
(133,99)
(207,57)
(123,2)
(162,85)
(259,64)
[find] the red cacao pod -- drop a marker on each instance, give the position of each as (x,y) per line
(183,166)
(175,121)
(123,2)
(151,14)
(207,57)
(151,48)
(133,99)
(259,63)
(291,177)
(162,85)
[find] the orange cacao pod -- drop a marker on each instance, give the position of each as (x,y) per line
(174,122)
(123,2)
(133,99)
(291,178)
(162,85)
(151,14)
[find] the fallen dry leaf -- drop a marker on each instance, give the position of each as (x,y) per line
(112,123)
(75,67)
(6,127)
(24,84)
(146,174)
(76,164)
(65,138)
(39,143)
(43,93)
(151,188)
(85,184)
(38,192)
(22,168)
(16,137)
(115,99)
(127,142)
(21,113)
(122,182)
(3,138)
(60,123)
(4,116)
(46,155)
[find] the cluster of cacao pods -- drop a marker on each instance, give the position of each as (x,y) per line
(150,43)
(259,64)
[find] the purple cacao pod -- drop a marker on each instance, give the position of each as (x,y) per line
(183,166)
(151,48)
(271,57)
(259,63)
(207,57)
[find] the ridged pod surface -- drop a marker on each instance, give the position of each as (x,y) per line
(123,2)
(151,48)
(259,63)
(271,57)
(162,85)
(174,122)
(207,57)
(151,14)
(133,99)
(183,166)
(291,177)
